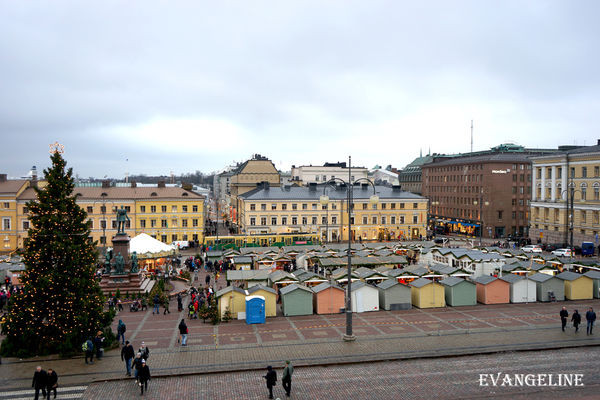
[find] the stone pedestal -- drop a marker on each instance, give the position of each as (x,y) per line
(127,281)
(121,245)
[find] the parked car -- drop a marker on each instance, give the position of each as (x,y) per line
(531,248)
(563,252)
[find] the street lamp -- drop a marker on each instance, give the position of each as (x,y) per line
(481,204)
(373,199)
(570,213)
(431,222)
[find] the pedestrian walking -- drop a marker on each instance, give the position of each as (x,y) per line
(127,354)
(145,351)
(207,279)
(88,349)
(98,345)
(166,306)
(183,331)
(563,317)
(121,328)
(179,302)
(40,378)
(51,383)
(144,376)
(576,319)
(590,317)
(120,305)
(271,378)
(286,378)
(156,304)
(137,365)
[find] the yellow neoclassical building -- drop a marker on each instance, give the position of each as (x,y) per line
(165,213)
(558,178)
(10,190)
(397,214)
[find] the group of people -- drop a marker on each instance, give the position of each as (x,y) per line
(137,362)
(590,317)
(286,379)
(93,346)
(44,381)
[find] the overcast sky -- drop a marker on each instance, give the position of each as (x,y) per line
(159,86)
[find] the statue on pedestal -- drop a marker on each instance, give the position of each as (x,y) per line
(119,264)
(107,263)
(134,263)
(122,219)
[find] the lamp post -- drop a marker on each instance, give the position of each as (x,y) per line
(481,203)
(434,203)
(349,336)
(570,213)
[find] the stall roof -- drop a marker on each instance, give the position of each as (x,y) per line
(568,276)
(593,274)
(540,277)
(325,285)
(484,280)
(242,260)
(512,278)
(388,283)
(451,281)
(419,283)
(228,289)
(292,287)
(261,287)
(248,275)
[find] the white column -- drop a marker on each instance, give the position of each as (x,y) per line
(553,189)
(543,183)
(533,183)
(563,184)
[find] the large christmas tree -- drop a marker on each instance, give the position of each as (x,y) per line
(61,303)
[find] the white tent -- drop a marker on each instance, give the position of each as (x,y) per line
(146,244)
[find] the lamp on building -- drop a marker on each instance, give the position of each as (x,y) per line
(324,199)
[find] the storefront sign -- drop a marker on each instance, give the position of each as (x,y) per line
(500,171)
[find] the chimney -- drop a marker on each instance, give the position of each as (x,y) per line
(133,184)
(161,183)
(105,184)
(396,188)
(34,177)
(364,186)
(598,142)
(312,187)
(3,177)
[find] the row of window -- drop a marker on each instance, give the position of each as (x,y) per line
(581,191)
(572,171)
(314,220)
(315,206)
(584,215)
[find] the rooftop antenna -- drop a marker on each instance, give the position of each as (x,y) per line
(471,136)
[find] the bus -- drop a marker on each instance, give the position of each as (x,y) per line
(261,240)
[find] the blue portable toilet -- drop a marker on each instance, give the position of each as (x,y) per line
(255,310)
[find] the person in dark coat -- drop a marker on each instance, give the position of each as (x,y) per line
(51,383)
(179,302)
(183,331)
(590,317)
(156,304)
(286,378)
(137,365)
(98,345)
(166,306)
(576,319)
(89,351)
(144,376)
(207,279)
(563,317)
(271,378)
(127,354)
(40,378)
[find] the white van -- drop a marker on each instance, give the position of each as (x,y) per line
(180,244)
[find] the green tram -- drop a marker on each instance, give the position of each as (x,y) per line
(261,240)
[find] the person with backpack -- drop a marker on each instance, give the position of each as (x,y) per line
(271,378)
(183,331)
(121,328)
(88,349)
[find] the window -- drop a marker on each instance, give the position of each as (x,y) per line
(596,193)
(415,205)
(143,209)
(374,206)
(352,220)
(26,225)
(583,217)
(153,209)
(583,193)
(163,238)
(163,223)
(283,220)
(142,223)
(382,220)
(252,221)
(314,220)
(365,221)
(127,208)
(273,220)
(401,205)
(596,217)
(558,172)
(273,206)
(324,178)
(323,220)
(263,220)
(102,240)
(514,178)
(317,178)
(294,220)
(596,172)
(304,220)
(195,209)
(174,223)
(334,206)
(294,206)
(103,209)
(401,219)
(103,224)
(572,172)
(374,220)
(184,223)
(184,208)
(90,210)
(305,206)
(152,223)
(194,222)
(114,224)
(163,209)
(284,206)
(393,206)
(185,237)
(514,215)
(364,206)
(500,214)
(263,207)
(383,206)
(334,220)
(584,172)
(6,205)
(415,219)
(252,207)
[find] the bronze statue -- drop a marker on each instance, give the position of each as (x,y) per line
(119,264)
(122,219)
(134,263)
(107,263)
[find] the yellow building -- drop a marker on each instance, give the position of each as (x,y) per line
(166,213)
(396,214)
(558,178)
(233,299)
(10,190)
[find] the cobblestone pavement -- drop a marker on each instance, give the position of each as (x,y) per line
(316,340)
(437,378)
